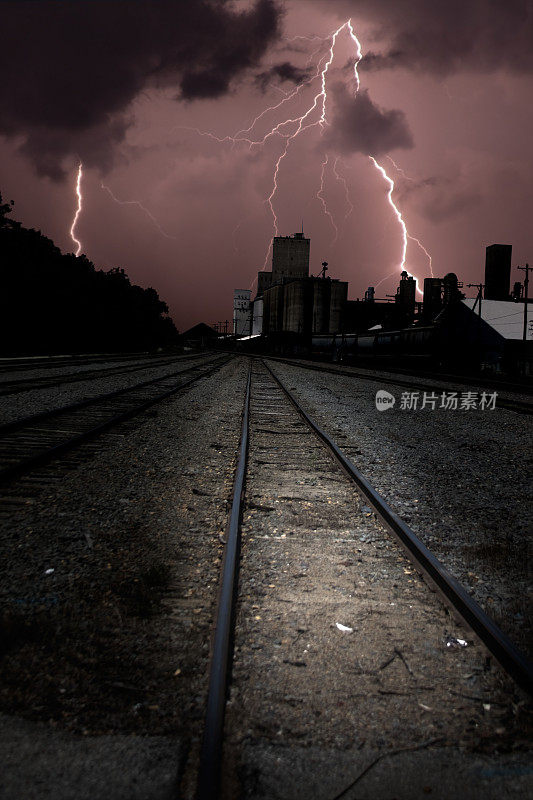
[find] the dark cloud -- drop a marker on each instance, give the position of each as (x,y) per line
(442,206)
(282,72)
(446,37)
(360,126)
(69,70)
(439,198)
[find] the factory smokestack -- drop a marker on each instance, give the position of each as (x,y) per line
(498,272)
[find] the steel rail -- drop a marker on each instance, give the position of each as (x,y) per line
(7,427)
(519,406)
(23,363)
(27,464)
(513,661)
(28,363)
(22,385)
(211,752)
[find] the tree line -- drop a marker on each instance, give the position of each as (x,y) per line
(52,302)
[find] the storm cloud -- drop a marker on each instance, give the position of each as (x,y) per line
(360,126)
(444,38)
(282,72)
(70,70)
(439,198)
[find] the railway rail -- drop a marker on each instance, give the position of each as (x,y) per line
(517,405)
(339,652)
(455,597)
(28,363)
(487,380)
(19,385)
(34,440)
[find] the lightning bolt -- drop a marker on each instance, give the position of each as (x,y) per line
(381,169)
(318,101)
(78,209)
(291,128)
(270,197)
(139,205)
(410,236)
(238,136)
(278,89)
(403,227)
(342,180)
(320,195)
(421,246)
(399,217)
(306,38)
(386,278)
(400,170)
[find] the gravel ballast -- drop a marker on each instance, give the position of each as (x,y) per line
(460,479)
(342,651)
(34,401)
(108,601)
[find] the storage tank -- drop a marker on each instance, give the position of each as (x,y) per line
(498,271)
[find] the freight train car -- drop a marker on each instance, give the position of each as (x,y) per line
(401,344)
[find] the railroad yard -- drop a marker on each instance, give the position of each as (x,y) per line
(348,674)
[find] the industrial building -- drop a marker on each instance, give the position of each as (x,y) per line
(498,334)
(242,312)
(291,301)
(494,330)
(290,260)
(305,306)
(295,309)
(199,336)
(498,272)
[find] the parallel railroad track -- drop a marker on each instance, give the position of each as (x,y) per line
(19,385)
(28,363)
(486,381)
(455,597)
(518,405)
(35,440)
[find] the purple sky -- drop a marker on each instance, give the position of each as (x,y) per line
(445,91)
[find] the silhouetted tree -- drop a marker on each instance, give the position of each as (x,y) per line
(51,302)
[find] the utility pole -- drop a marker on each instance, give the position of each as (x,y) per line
(526,284)
(479,287)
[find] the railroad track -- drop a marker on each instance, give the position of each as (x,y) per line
(486,380)
(288,447)
(19,385)
(28,363)
(29,442)
(518,405)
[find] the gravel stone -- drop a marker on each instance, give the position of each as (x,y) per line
(115,642)
(16,406)
(341,649)
(461,480)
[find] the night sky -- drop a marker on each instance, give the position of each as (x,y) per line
(157,101)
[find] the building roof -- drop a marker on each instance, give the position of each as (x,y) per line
(201,329)
(506,317)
